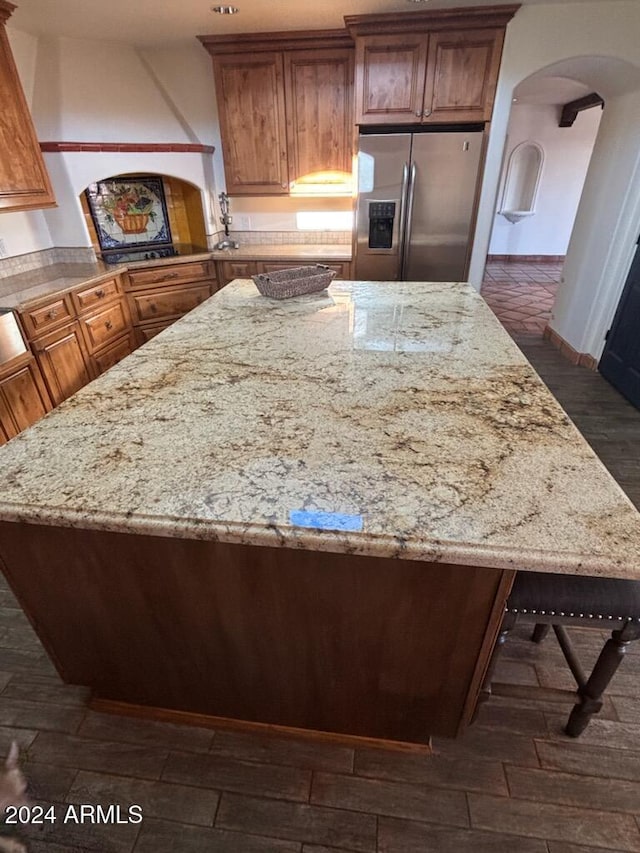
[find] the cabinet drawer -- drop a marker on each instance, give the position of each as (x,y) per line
(114,353)
(104,326)
(96,294)
(169,274)
(150,330)
(236,269)
(47,315)
(166,303)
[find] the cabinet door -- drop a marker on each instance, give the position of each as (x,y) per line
(390,77)
(24,183)
(228,270)
(250,93)
(23,399)
(462,74)
(318,87)
(63,361)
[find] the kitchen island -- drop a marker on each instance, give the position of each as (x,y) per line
(304,513)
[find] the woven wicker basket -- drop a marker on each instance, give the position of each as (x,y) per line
(296,281)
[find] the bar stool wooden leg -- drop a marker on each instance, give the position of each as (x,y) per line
(591,691)
(540,632)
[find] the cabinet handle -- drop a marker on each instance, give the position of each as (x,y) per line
(169,276)
(108,325)
(100,293)
(51,315)
(418,113)
(426,113)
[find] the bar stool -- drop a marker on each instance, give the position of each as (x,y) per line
(557,601)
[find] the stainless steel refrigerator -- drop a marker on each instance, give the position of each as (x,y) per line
(416,205)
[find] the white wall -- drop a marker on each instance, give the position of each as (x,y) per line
(91,91)
(562,38)
(567,151)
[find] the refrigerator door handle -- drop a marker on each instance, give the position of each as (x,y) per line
(407,222)
(403,211)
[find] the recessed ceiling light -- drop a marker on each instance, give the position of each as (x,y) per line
(229,10)
(417,1)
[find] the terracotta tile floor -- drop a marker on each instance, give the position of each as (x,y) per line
(522,293)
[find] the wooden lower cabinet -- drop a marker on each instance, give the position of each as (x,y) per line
(229,270)
(335,643)
(342,268)
(157,296)
(23,396)
(150,330)
(64,361)
(167,302)
(114,352)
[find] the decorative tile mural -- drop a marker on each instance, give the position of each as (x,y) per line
(129,212)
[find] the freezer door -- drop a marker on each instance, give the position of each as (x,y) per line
(442,201)
(383,171)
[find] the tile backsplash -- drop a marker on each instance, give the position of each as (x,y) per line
(283,238)
(47,257)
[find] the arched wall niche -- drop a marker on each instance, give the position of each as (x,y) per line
(181,207)
(522,181)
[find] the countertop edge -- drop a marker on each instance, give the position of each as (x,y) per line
(331,541)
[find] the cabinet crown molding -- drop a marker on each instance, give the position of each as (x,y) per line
(437,19)
(6,9)
(288,40)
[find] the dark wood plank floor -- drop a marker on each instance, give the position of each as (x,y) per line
(513,784)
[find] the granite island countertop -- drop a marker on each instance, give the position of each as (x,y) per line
(388,419)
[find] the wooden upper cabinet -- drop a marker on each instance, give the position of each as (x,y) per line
(318,88)
(285,107)
(24,183)
(390,77)
(250,93)
(428,67)
(462,74)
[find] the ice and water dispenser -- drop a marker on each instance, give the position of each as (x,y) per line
(381,217)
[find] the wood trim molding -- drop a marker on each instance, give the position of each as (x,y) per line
(437,19)
(188,718)
(570,111)
(537,259)
(6,10)
(287,40)
(127,147)
(582,359)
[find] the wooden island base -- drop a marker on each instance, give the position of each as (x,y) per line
(376,648)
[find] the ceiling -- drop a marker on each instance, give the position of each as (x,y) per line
(153,22)
(549,90)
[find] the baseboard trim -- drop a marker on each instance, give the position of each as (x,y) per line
(189,718)
(538,259)
(583,359)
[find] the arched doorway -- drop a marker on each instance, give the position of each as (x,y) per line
(607,221)
(545,165)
